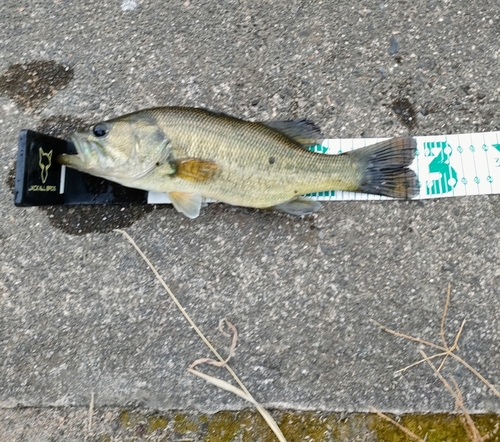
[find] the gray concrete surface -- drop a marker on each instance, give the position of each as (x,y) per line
(80,312)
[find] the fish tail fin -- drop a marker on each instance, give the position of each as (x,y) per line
(384,168)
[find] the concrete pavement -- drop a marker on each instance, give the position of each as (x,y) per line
(81,313)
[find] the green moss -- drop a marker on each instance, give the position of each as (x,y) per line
(125,419)
(308,426)
(155,423)
(351,427)
(140,424)
(244,426)
(312,426)
(488,424)
(438,427)
(249,426)
(433,427)
(222,427)
(254,427)
(183,424)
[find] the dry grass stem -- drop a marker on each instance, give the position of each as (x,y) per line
(231,327)
(466,419)
(445,350)
(477,374)
(180,307)
(454,347)
(242,391)
(469,425)
(91,411)
(410,338)
(397,424)
(231,388)
(231,349)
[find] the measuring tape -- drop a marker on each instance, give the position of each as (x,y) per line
(446,165)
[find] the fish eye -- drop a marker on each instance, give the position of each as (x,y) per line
(100,130)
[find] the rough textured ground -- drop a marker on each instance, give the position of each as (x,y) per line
(80,312)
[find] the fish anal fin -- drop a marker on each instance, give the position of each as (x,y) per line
(303,131)
(187,203)
(298,206)
(193,169)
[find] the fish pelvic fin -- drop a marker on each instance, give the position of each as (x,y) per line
(303,132)
(384,168)
(187,203)
(298,206)
(193,169)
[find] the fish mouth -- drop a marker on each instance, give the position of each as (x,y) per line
(87,155)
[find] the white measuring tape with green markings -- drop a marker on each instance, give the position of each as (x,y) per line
(446,165)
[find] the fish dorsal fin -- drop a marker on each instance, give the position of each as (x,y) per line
(187,203)
(193,169)
(303,131)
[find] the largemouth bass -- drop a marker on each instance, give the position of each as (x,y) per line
(192,153)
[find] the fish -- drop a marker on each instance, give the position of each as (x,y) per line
(194,153)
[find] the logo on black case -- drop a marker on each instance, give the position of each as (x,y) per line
(45,161)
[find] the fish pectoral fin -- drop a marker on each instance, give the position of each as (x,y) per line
(298,206)
(187,203)
(193,169)
(303,131)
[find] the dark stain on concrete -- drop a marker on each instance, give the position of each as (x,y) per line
(79,220)
(61,126)
(32,84)
(405,112)
(11,178)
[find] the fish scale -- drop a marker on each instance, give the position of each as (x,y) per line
(243,154)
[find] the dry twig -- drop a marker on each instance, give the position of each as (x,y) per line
(397,424)
(91,411)
(445,350)
(469,425)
